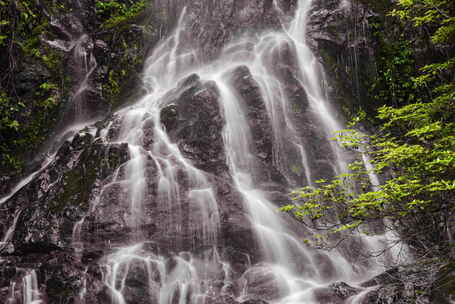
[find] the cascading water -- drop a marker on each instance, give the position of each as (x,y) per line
(76,117)
(29,290)
(310,69)
(196,268)
(80,45)
(9,233)
(192,276)
(31,294)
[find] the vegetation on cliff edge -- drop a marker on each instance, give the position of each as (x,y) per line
(35,84)
(414,151)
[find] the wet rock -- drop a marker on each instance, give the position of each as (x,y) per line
(391,276)
(88,179)
(6,183)
(343,290)
(194,121)
(30,78)
(284,63)
(210,25)
(339,30)
(68,26)
(48,207)
(60,277)
(221,300)
(403,285)
(256,112)
(91,256)
(325,267)
(37,247)
(254,301)
(260,124)
(443,288)
(169,117)
(263,283)
(335,293)
(7,272)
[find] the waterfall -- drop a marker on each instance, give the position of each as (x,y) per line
(82,65)
(31,293)
(294,268)
(28,288)
(311,72)
(197,263)
(9,233)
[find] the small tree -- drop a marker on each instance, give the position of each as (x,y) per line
(415,150)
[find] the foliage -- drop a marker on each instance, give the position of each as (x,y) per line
(27,109)
(114,13)
(125,61)
(396,63)
(33,85)
(415,151)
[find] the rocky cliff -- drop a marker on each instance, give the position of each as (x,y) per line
(63,226)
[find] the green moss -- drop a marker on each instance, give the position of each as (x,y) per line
(112,87)
(76,189)
(114,13)
(27,114)
(34,86)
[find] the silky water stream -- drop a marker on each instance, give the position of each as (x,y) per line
(291,267)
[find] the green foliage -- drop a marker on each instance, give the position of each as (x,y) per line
(114,13)
(29,108)
(115,19)
(436,15)
(112,86)
(396,67)
(26,114)
(420,191)
(415,151)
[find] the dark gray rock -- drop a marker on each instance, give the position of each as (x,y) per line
(30,78)
(254,301)
(258,119)
(404,284)
(443,288)
(60,277)
(335,293)
(263,284)
(388,277)
(343,290)
(339,30)
(194,121)
(306,123)
(211,24)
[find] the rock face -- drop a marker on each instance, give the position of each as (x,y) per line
(71,228)
(77,207)
(193,120)
(212,24)
(335,293)
(75,67)
(340,32)
(443,289)
(62,225)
